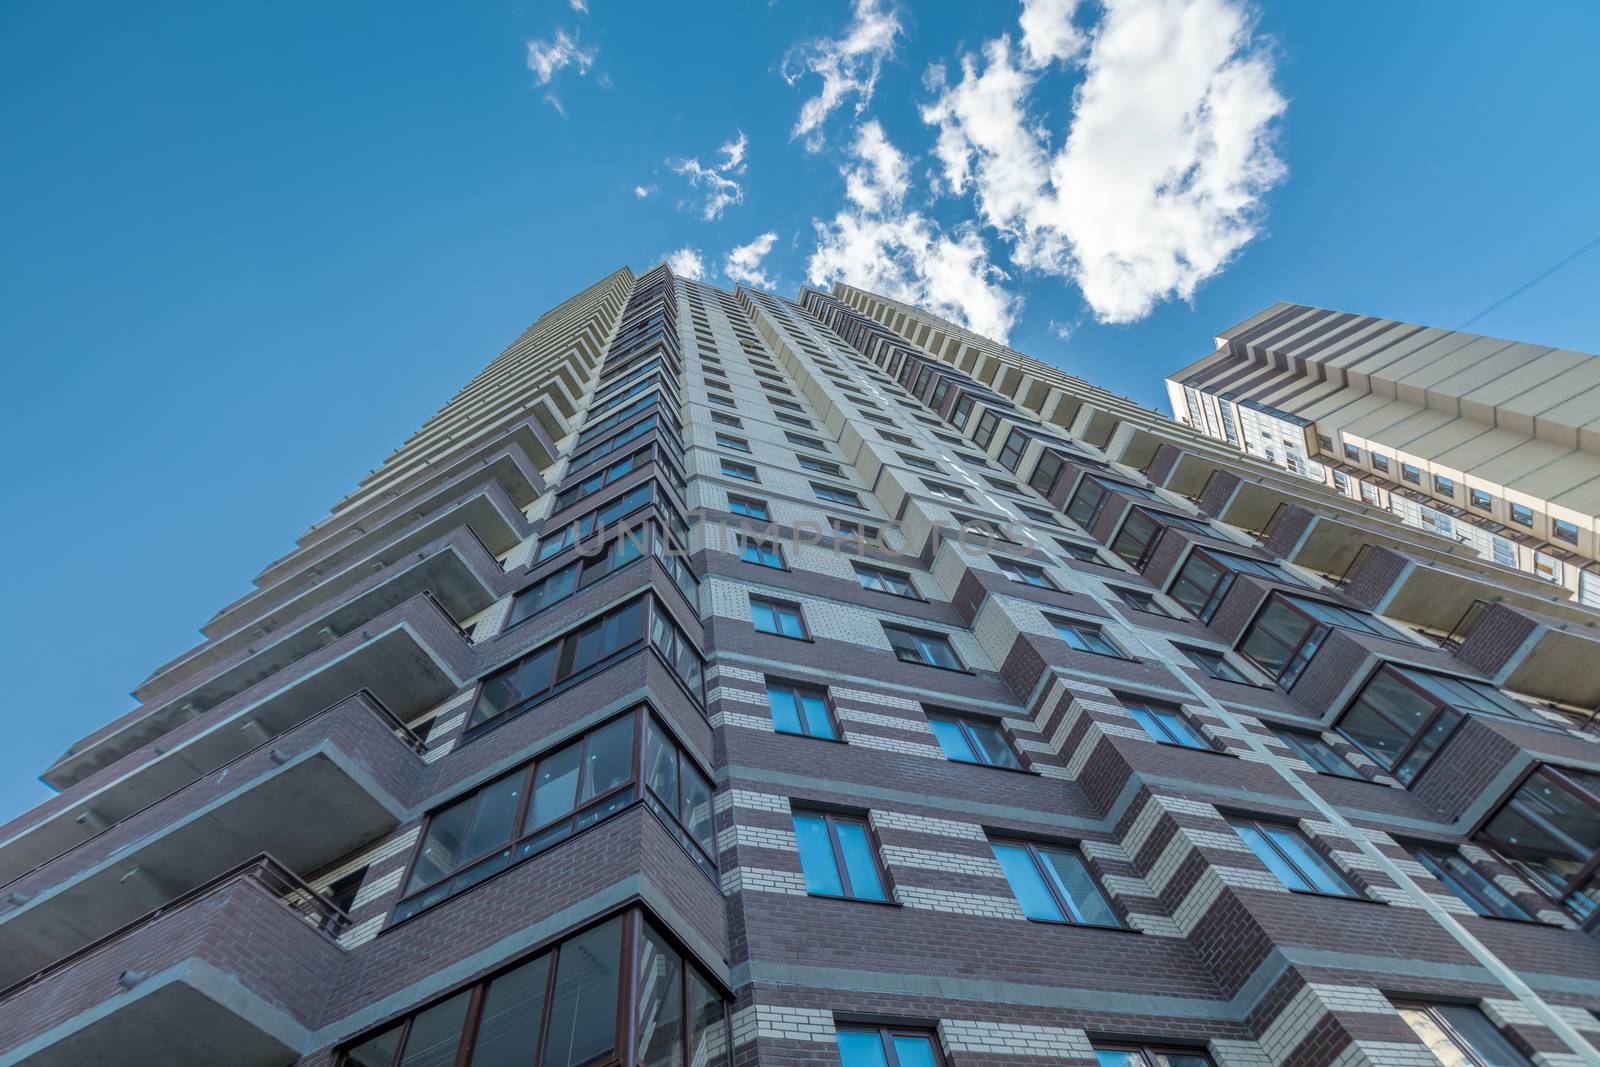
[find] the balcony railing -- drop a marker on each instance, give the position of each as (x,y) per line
(289,888)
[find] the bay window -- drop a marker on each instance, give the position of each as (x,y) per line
(1549,829)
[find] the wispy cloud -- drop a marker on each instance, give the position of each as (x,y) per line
(548,58)
(1165,161)
(743,263)
(580,6)
(848,66)
(874,242)
(717,179)
(643,191)
(686,263)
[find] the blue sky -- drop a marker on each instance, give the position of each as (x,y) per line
(249,248)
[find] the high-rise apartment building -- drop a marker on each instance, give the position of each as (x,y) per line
(1495,444)
(724,680)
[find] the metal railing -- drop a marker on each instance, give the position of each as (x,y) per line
(1356,561)
(290,889)
(1464,626)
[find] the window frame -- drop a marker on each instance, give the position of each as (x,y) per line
(775,607)
(886,1035)
(964,725)
(841,867)
(1064,904)
(1261,826)
(797,690)
(891,628)
(1570,893)
(732,468)
(735,501)
(870,570)
(762,547)
(1025,572)
(841,495)
(1157,712)
(1085,633)
(1148,1053)
(1436,859)
(728,440)
(1190,651)
(1453,1034)
(1334,765)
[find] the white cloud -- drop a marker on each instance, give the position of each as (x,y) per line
(848,65)
(874,243)
(1165,161)
(580,6)
(686,263)
(743,263)
(548,58)
(1065,330)
(718,178)
(642,191)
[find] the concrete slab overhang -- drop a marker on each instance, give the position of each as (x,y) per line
(184,986)
(457,569)
(411,657)
(280,810)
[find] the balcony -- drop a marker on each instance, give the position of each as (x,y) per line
(1555,659)
(411,657)
(482,505)
(1435,595)
(353,759)
(232,972)
(458,569)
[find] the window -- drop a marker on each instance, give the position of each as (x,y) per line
(884,581)
(1137,599)
(1093,494)
(837,856)
(564,1008)
(742,471)
(797,710)
(947,492)
(820,466)
(1086,637)
(1207,576)
(1290,857)
(1562,530)
(1080,552)
(835,495)
(1460,1035)
(680,793)
(1318,753)
(1444,486)
(729,441)
(1380,463)
(897,438)
(522,813)
(917,461)
(886,1046)
(1402,716)
(850,530)
(1549,829)
(1522,515)
(1166,725)
(608,475)
(1215,663)
(560,584)
(1410,474)
(727,420)
(517,687)
(986,427)
(1141,530)
(1148,1055)
(788,405)
(1011,452)
(749,508)
(761,553)
(1289,630)
(1480,500)
(793,420)
(1469,886)
(1036,514)
(1352,453)
(803,441)
(1026,573)
(916,646)
(968,740)
(777,617)
(718,398)
(1053,884)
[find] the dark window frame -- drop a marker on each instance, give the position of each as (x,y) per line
(886,1035)
(775,607)
(1066,906)
(964,724)
(1260,825)
(832,819)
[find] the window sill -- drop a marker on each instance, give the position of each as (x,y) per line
(766,633)
(855,900)
(810,737)
(1357,898)
(937,667)
(994,767)
(1070,925)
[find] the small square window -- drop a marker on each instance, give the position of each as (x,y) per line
(727,420)
(778,617)
(1411,474)
(1380,463)
(1325,442)
(718,398)
(1166,725)
(1562,530)
(1291,858)
(794,420)
(750,508)
(1081,552)
(837,856)
(820,466)
(761,553)
(1352,453)
(801,710)
(897,438)
(1480,500)
(1522,515)
(1215,663)
(947,492)
(1086,637)
(850,530)
(1444,486)
(727,440)
(917,646)
(1026,573)
(1463,1032)
(1471,887)
(1138,599)
(742,471)
(917,461)
(969,740)
(886,1046)
(803,441)
(882,580)
(1318,753)
(835,495)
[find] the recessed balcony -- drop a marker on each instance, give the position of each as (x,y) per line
(1436,595)
(277,798)
(192,984)
(1540,655)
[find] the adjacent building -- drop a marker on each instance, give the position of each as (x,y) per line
(1493,443)
(720,679)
